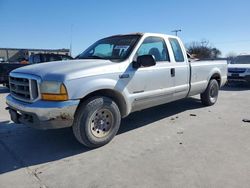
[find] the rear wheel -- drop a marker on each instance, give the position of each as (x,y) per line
(210,96)
(96,122)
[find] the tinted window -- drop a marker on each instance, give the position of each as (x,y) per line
(31,59)
(54,58)
(65,57)
(154,46)
(243,59)
(36,59)
(178,55)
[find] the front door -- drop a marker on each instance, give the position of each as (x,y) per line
(151,86)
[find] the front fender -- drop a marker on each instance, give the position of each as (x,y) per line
(80,88)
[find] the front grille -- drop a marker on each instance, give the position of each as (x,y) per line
(236,70)
(23,89)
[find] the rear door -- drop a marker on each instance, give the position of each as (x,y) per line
(180,70)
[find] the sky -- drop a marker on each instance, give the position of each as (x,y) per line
(53,24)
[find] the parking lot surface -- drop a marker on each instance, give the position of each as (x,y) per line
(181,144)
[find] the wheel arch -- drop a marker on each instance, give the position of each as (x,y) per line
(217,77)
(114,95)
(215,74)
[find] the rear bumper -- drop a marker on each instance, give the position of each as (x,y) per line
(42,114)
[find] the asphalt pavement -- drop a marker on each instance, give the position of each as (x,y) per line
(180,144)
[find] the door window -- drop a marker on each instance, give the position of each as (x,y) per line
(156,47)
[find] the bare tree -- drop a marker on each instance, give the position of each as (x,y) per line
(203,49)
(215,53)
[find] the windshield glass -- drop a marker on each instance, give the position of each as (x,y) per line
(113,48)
(245,59)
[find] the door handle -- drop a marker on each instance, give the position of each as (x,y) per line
(172,70)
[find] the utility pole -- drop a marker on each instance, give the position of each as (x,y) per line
(71,28)
(176,31)
(204,42)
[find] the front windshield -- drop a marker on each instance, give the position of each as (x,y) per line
(245,59)
(115,48)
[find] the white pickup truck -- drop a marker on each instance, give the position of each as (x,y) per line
(114,77)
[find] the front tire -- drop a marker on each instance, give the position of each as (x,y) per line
(210,96)
(96,122)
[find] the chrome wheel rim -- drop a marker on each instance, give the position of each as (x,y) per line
(213,93)
(101,122)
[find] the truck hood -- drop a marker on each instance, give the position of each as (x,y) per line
(245,66)
(67,69)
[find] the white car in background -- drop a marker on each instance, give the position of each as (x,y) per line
(239,69)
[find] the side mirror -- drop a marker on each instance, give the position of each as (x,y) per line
(144,61)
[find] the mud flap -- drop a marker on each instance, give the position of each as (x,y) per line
(14,116)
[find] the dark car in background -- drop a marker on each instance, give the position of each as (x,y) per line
(6,68)
(40,58)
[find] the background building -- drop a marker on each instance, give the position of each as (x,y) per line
(17,55)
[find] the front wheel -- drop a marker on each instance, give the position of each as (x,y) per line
(96,121)
(210,96)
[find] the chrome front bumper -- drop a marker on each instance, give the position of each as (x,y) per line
(42,114)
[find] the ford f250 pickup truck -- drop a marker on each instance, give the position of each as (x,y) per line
(114,77)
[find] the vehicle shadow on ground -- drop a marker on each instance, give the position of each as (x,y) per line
(241,86)
(4,89)
(21,146)
(145,117)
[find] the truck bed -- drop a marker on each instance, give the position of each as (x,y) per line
(200,75)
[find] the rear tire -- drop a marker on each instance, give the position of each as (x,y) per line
(96,122)
(210,96)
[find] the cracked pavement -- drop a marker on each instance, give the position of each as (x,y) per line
(181,144)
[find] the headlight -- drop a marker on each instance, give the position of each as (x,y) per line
(53,91)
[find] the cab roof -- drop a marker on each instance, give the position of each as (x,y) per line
(146,34)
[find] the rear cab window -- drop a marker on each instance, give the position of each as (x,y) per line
(177,51)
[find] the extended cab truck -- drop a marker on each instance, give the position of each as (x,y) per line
(111,79)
